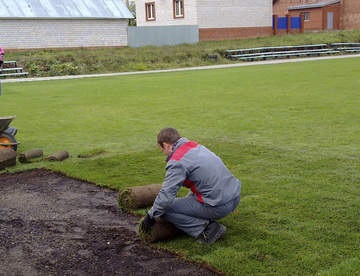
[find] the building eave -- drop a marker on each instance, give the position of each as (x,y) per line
(315,5)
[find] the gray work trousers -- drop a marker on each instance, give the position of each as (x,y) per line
(192,217)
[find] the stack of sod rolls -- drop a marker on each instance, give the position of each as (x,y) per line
(132,198)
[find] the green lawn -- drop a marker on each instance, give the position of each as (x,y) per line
(290,132)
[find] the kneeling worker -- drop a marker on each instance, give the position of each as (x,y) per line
(214,191)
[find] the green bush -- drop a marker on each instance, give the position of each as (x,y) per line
(67,68)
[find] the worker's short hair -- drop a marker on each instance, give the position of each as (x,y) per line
(168,135)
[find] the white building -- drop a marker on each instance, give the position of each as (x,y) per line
(205,19)
(57,24)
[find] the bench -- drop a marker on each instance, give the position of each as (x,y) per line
(283,54)
(287,51)
(231,53)
(11,69)
(263,53)
(354,50)
(348,49)
(278,56)
(12,63)
(15,69)
(14,74)
(345,44)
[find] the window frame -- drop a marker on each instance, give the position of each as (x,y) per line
(150,12)
(306,16)
(177,8)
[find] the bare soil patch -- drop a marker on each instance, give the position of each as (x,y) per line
(51,224)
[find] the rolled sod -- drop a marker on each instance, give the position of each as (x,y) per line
(161,230)
(30,156)
(58,156)
(132,198)
(7,158)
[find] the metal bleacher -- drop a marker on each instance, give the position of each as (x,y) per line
(278,52)
(347,47)
(11,69)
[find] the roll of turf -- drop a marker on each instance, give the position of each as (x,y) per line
(7,158)
(132,198)
(58,156)
(30,156)
(161,230)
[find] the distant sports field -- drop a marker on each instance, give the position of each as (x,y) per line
(290,132)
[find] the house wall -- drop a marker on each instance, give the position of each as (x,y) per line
(318,17)
(234,13)
(59,33)
(234,19)
(349,11)
(164,13)
(162,35)
(280,8)
(209,14)
(216,20)
(350,14)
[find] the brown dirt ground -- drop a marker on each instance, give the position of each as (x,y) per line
(51,224)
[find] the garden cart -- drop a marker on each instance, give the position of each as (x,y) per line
(7,133)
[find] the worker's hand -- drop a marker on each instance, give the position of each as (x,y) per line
(147,223)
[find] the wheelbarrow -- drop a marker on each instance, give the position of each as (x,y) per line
(7,133)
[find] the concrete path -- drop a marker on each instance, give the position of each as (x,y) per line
(241,64)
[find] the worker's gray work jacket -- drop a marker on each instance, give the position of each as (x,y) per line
(196,167)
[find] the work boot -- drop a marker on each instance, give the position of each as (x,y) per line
(212,233)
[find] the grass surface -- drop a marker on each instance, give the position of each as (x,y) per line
(290,132)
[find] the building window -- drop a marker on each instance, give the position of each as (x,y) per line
(178,6)
(150,11)
(306,16)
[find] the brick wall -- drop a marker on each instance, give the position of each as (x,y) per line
(350,18)
(336,10)
(318,17)
(44,33)
(280,8)
(208,34)
(349,13)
